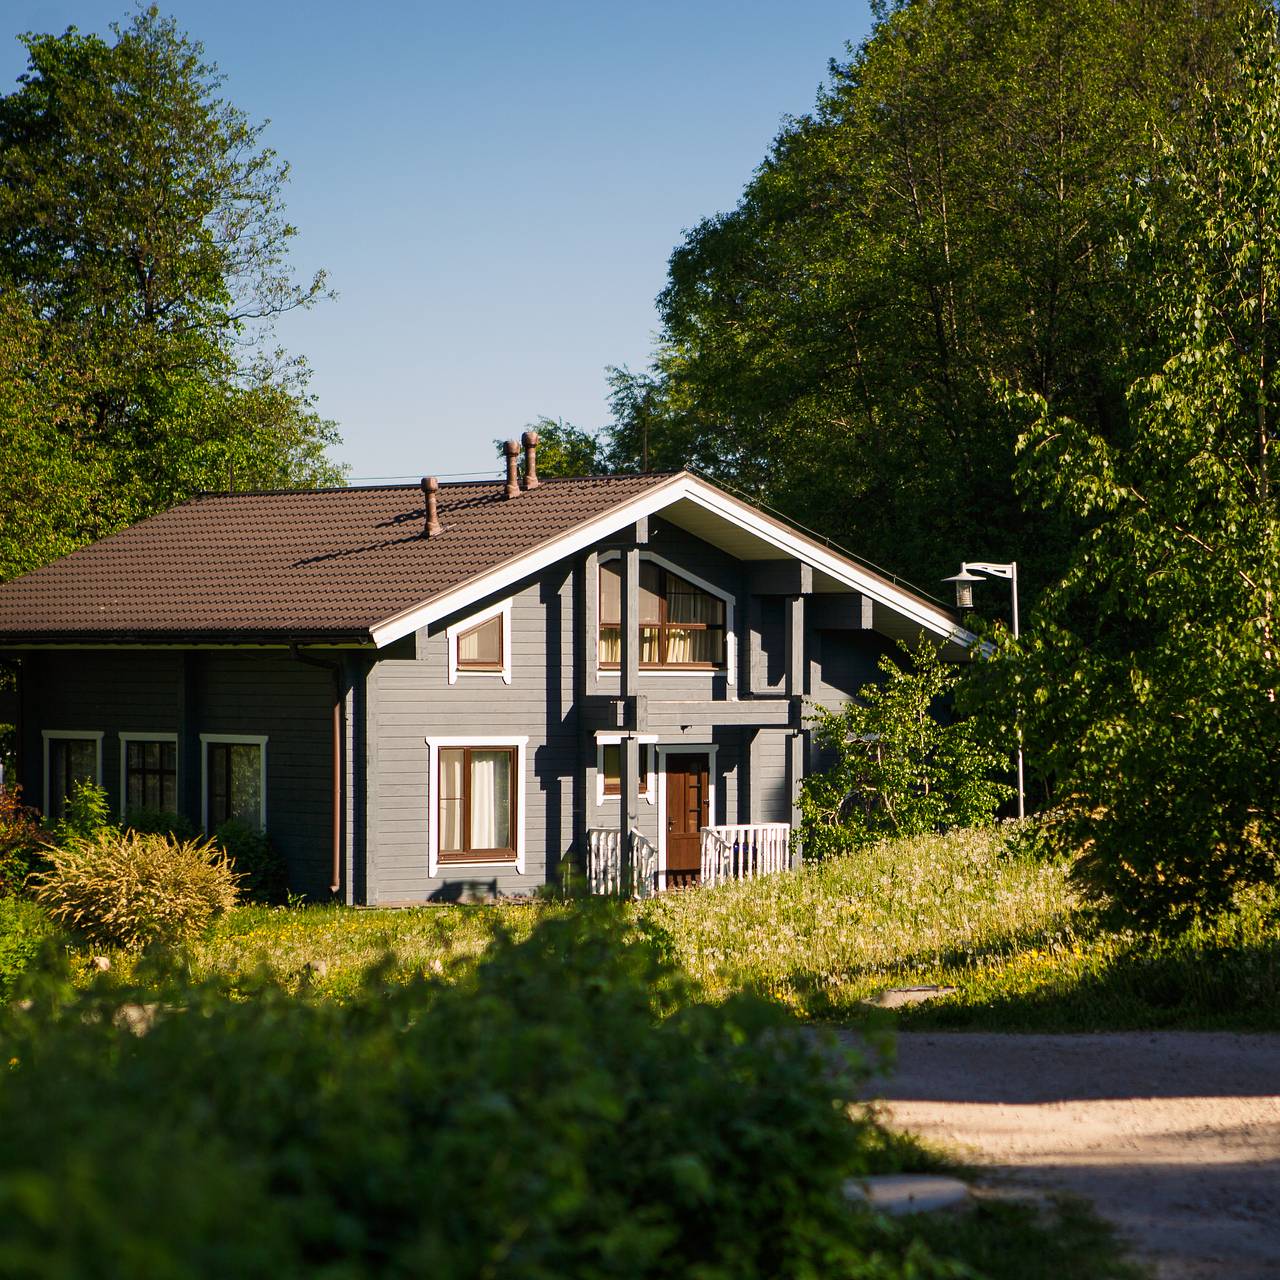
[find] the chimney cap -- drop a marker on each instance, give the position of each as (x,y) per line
(531,439)
(511,448)
(430,484)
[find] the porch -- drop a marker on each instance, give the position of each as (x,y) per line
(742,851)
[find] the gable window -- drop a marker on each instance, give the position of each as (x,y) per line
(235,780)
(476,798)
(480,648)
(149,769)
(69,757)
(681,625)
(481,644)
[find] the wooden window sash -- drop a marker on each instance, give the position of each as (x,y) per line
(464,664)
(614,788)
(467,853)
(664,626)
(142,772)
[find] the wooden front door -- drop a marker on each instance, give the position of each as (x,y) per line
(688,811)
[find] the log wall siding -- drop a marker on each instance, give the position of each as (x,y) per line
(188,693)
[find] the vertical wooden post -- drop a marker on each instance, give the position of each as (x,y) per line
(628,689)
(795,660)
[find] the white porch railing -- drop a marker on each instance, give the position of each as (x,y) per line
(745,852)
(604,865)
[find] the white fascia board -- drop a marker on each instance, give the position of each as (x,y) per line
(705,495)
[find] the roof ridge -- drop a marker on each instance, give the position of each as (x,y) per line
(496,481)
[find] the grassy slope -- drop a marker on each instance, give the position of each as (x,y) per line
(956,910)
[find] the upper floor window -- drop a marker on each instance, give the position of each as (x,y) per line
(481,643)
(681,625)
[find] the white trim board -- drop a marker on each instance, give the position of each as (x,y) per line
(708,749)
(501,610)
(75,735)
(711,499)
(248,739)
(520,742)
(130,736)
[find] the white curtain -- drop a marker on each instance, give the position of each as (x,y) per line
(490,800)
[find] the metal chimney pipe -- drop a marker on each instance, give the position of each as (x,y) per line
(530,442)
(512,451)
(433,527)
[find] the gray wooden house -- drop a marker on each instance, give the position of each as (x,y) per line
(427,692)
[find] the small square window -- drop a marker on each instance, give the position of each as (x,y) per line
(150,774)
(611,768)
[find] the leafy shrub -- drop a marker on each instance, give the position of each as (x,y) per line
(899,770)
(86,817)
(160,822)
(24,932)
(258,864)
(22,843)
(569,1106)
(127,889)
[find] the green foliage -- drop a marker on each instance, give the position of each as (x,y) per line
(25,933)
(901,769)
(565,450)
(571,1101)
(130,890)
(22,843)
(160,822)
(86,816)
(258,866)
(1148,678)
(947,211)
(142,260)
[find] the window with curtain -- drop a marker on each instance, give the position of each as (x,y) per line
(235,782)
(480,649)
(71,760)
(611,765)
(681,625)
(476,793)
(151,775)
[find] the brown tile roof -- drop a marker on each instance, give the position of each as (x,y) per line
(311,564)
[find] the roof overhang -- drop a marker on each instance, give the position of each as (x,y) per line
(715,516)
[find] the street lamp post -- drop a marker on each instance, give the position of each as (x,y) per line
(964,580)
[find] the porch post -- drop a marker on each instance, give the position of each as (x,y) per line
(795,658)
(628,691)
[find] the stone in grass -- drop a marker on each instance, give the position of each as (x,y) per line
(901,1193)
(897,997)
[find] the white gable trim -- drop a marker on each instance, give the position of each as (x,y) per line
(707,496)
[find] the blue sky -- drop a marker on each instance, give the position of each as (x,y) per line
(494,190)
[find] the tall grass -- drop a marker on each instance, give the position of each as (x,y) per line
(967,910)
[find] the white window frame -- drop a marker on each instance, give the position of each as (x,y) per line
(124,757)
(244,739)
(707,749)
(729,670)
(49,735)
(434,745)
(501,610)
(603,740)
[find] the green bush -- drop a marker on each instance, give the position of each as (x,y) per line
(900,769)
(129,890)
(22,843)
(160,822)
(258,864)
(567,1108)
(25,931)
(86,816)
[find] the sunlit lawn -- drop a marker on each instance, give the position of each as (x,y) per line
(1004,928)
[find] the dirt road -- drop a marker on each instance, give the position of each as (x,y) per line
(1175,1136)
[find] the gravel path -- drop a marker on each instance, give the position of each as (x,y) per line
(1175,1136)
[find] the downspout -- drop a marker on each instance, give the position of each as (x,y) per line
(334,667)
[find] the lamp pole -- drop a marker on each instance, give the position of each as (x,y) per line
(1009,571)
